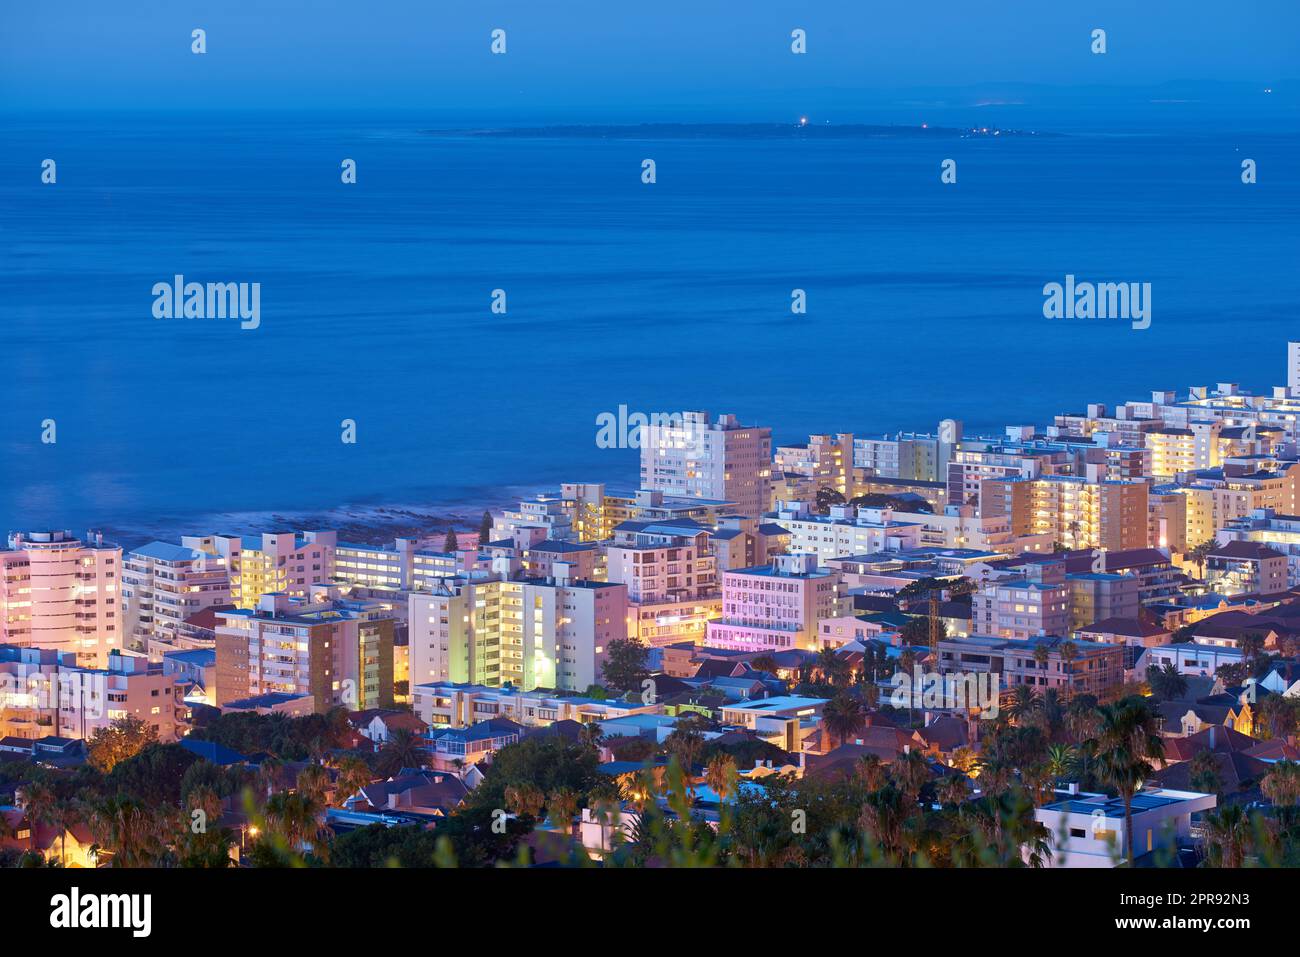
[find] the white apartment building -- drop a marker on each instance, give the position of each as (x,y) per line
(528,633)
(60,593)
(720,460)
(163,584)
(846,531)
(446,704)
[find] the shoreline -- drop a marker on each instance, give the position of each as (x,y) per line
(355,523)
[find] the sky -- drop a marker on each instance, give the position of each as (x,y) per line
(607,60)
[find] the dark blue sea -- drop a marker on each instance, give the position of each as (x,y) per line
(924,299)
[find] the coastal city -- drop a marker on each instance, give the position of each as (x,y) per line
(1072,644)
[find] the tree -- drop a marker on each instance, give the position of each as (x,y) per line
(625,664)
(40,806)
(1069,652)
(525,800)
(404,749)
(354,774)
(833,669)
(130,830)
(295,822)
(563,805)
(123,738)
(313,782)
(1275,716)
(450,544)
(1227,836)
(484,530)
(910,773)
(1204,772)
(1167,683)
(1200,553)
(720,776)
(1127,740)
(843,716)
(1282,786)
(764,663)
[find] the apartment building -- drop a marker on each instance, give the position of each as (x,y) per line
(846,531)
(1244,567)
(775,607)
(1097,596)
(1279,532)
(1072,510)
(1070,667)
(337,650)
(671,577)
(825,460)
(909,455)
(164,584)
(739,541)
(527,633)
(61,593)
(283,563)
(45,692)
(446,704)
(720,460)
(1024,602)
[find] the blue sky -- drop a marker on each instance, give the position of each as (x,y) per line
(600,58)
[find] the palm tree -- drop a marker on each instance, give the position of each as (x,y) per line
(910,772)
(354,774)
(268,775)
(1024,702)
(40,806)
(1227,836)
(953,789)
(843,715)
(525,800)
(1282,786)
(563,805)
(1204,772)
(1200,553)
(1062,761)
(720,775)
(297,820)
(404,749)
(1069,651)
(1127,741)
(203,798)
(313,782)
(871,772)
(833,668)
(591,734)
(130,830)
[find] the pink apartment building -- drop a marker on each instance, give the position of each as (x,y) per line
(775,607)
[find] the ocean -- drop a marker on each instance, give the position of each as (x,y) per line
(924,300)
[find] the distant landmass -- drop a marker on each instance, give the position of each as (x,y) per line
(740,131)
